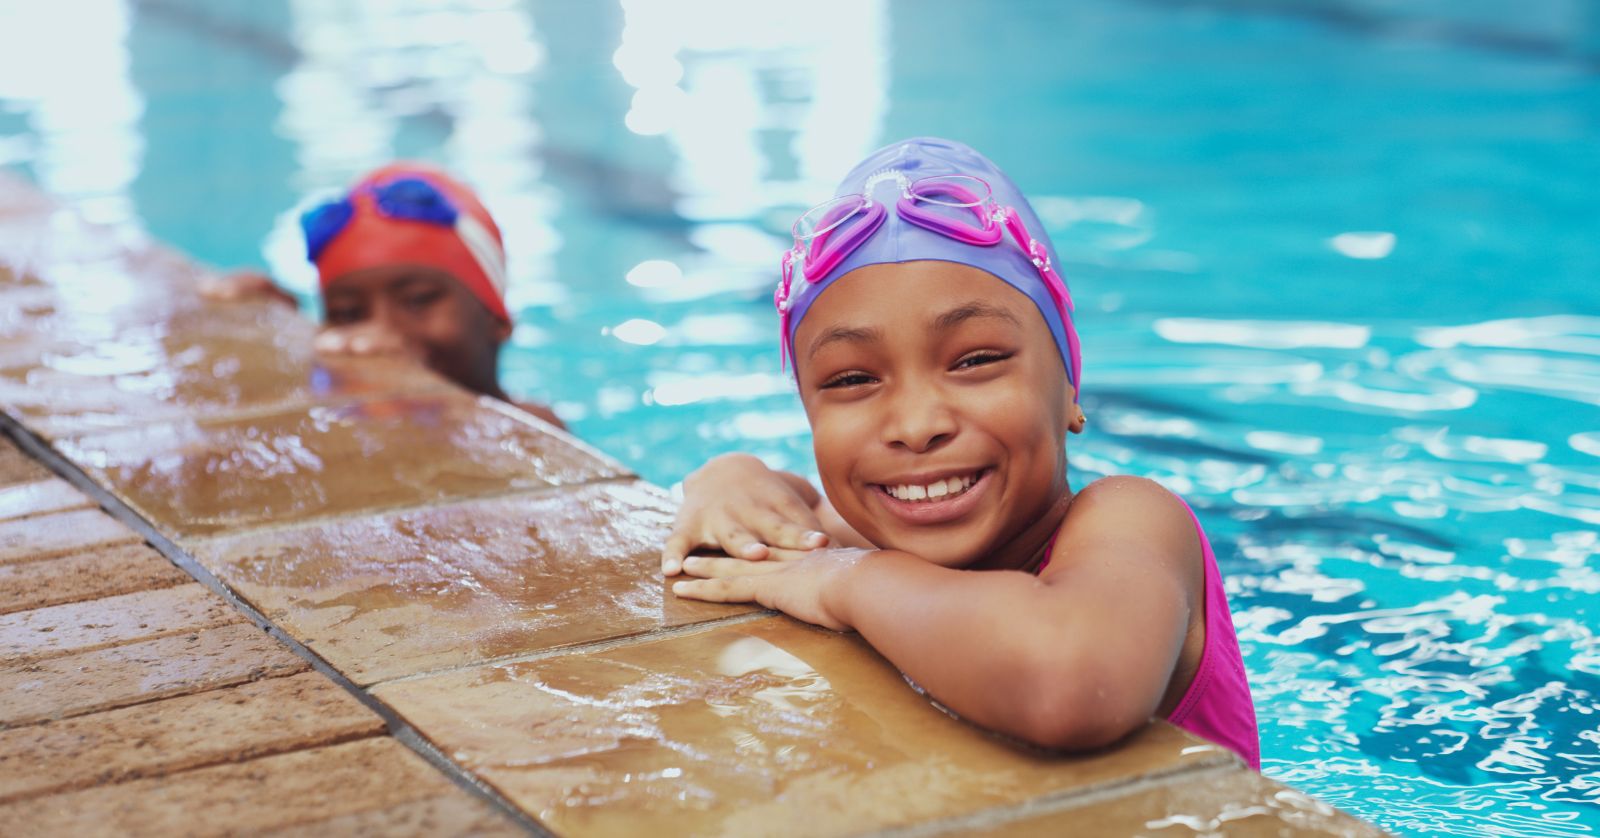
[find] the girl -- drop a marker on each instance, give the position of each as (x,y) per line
(933,344)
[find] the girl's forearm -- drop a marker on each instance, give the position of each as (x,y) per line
(996,647)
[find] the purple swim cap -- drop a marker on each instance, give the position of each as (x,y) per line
(898,240)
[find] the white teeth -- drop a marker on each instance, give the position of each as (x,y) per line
(938,489)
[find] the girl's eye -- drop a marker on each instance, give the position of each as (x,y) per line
(847,379)
(343,316)
(423,300)
(978,359)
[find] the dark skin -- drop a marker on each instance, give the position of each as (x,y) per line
(409,310)
(920,370)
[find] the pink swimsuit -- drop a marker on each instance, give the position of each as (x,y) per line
(1217,705)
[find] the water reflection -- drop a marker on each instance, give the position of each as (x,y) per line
(371,75)
(81,106)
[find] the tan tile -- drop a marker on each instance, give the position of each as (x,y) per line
(99,572)
(18,467)
(765,727)
(456,813)
(391,595)
(104,679)
(113,621)
(197,479)
(162,737)
(40,497)
(94,289)
(212,361)
(1235,803)
(271,792)
(55,534)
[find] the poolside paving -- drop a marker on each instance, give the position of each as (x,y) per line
(442,568)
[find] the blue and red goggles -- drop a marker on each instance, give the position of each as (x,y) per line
(405,199)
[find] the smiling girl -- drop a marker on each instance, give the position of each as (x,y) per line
(934,348)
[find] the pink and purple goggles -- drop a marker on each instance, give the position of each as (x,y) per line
(958,207)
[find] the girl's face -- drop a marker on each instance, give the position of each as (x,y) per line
(426,309)
(939,407)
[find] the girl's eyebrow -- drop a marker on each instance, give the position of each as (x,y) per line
(853,334)
(973,309)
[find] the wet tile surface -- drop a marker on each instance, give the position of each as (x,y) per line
(213,360)
(59,533)
(89,682)
(766,726)
(392,595)
(39,497)
(98,572)
(17,467)
(113,621)
(226,725)
(275,792)
(1237,803)
(454,813)
(201,478)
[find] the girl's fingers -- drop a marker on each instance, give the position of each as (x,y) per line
(733,589)
(740,543)
(786,533)
(673,552)
(716,567)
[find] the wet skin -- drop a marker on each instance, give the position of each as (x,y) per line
(421,311)
(924,370)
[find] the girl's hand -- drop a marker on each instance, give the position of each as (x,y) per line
(804,585)
(739,506)
(244,285)
(366,339)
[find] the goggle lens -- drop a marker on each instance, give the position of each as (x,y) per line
(828,217)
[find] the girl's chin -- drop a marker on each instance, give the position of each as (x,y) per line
(936,548)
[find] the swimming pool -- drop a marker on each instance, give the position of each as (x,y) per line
(1337,266)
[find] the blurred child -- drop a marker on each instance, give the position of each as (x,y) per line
(410,263)
(933,343)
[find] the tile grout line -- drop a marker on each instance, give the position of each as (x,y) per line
(589,647)
(1056,802)
(397,726)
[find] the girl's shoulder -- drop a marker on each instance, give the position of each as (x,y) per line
(1124,512)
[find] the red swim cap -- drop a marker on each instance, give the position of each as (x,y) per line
(471,250)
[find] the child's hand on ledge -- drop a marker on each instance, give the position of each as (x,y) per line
(366,339)
(802,584)
(244,285)
(735,504)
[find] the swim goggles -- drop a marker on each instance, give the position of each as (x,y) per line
(405,199)
(960,207)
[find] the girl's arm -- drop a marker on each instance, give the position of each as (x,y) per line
(1076,658)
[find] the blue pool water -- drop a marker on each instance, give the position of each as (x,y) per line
(1336,263)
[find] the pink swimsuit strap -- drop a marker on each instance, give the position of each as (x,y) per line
(1217,704)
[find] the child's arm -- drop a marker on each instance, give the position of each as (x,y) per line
(735,504)
(1076,658)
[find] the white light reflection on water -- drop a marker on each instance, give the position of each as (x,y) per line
(80,102)
(716,92)
(371,72)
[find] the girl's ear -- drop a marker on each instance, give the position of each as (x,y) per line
(1075,418)
(501,331)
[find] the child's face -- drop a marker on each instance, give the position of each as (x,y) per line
(939,407)
(428,310)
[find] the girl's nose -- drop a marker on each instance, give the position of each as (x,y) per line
(918,420)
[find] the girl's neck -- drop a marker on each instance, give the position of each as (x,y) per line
(1028,550)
